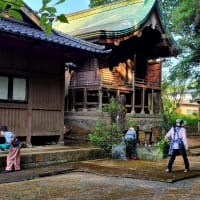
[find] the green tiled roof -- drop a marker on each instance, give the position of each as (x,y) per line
(119,18)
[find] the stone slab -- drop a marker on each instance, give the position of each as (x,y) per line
(46,156)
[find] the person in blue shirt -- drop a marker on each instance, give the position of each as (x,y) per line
(13,157)
(130,140)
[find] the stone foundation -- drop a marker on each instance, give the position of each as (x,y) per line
(83,122)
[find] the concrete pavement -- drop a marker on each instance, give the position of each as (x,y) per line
(59,159)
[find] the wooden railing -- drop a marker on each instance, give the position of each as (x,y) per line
(82,83)
(97,82)
(146,83)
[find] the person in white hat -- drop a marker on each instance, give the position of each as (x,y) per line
(178,144)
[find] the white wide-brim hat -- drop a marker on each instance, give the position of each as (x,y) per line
(180,122)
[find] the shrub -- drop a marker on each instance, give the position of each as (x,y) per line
(191,119)
(106,134)
(163,146)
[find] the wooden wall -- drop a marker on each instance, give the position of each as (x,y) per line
(87,74)
(43,66)
(154,74)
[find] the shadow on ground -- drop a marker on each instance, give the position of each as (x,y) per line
(146,170)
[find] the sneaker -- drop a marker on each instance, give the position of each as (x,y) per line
(7,171)
(186,170)
(168,170)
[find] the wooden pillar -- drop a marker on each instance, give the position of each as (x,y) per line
(118,93)
(62,103)
(100,98)
(85,100)
(73,100)
(133,93)
(152,103)
(29,119)
(143,100)
(30,99)
(67,87)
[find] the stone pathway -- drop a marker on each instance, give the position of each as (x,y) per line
(147,170)
(86,186)
(106,180)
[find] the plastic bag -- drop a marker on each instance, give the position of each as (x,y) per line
(4,146)
(119,151)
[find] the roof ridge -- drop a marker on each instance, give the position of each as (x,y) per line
(105,7)
(31,14)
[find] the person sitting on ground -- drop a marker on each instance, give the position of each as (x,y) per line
(130,140)
(13,157)
(178,144)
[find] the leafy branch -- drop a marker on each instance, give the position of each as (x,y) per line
(47,13)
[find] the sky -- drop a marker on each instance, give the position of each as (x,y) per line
(68,6)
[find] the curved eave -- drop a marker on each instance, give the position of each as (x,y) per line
(104,34)
(116,19)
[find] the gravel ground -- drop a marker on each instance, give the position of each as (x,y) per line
(87,186)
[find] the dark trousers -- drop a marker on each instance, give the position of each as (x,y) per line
(130,148)
(173,157)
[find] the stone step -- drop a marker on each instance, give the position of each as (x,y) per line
(194,151)
(51,155)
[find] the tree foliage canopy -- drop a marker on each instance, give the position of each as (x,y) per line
(47,12)
(183,17)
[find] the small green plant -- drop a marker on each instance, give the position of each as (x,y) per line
(105,135)
(163,146)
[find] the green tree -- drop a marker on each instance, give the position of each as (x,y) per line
(183,17)
(47,12)
(170,101)
(171,97)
